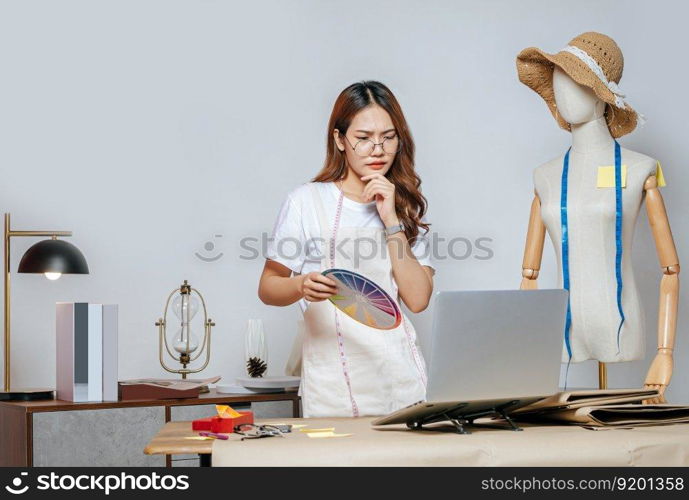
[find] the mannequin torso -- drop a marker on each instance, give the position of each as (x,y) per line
(591,215)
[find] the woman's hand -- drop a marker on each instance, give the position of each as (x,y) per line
(315,287)
(383,191)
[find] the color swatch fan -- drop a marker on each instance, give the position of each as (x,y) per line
(363,300)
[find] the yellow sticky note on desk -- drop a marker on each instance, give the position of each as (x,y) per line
(325,429)
(327,434)
(606,177)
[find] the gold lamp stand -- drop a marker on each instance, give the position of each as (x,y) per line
(53,258)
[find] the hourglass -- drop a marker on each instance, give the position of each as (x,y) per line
(185,343)
(185,306)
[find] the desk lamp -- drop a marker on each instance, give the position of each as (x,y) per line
(51,257)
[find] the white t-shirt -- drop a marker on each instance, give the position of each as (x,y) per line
(296,240)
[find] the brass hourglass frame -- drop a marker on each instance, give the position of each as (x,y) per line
(185,358)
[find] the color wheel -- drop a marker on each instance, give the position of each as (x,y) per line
(364,301)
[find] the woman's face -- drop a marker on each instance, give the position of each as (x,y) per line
(371,125)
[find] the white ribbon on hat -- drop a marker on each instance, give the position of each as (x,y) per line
(598,71)
(583,56)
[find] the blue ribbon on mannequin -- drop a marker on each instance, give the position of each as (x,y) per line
(564,223)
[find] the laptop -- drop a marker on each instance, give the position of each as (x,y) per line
(491,352)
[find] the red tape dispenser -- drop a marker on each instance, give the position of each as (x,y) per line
(225,421)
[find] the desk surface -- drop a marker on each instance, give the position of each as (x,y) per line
(536,445)
(170,440)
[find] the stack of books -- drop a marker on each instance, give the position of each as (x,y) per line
(86,346)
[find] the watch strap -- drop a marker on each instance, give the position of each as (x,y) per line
(394,229)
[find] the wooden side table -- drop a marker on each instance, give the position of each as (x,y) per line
(97,433)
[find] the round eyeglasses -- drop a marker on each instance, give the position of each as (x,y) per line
(365,147)
(255,431)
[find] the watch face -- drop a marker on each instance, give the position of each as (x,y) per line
(363,300)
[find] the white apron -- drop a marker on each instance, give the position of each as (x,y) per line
(348,368)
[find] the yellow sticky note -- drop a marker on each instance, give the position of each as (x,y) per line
(606,177)
(327,429)
(199,438)
(659,175)
(328,434)
(225,411)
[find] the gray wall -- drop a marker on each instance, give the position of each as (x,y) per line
(148,127)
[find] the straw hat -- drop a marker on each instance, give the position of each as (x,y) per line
(591,59)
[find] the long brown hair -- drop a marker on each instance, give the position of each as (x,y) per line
(410,204)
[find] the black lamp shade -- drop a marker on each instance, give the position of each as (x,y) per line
(53,256)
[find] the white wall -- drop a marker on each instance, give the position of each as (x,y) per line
(147,127)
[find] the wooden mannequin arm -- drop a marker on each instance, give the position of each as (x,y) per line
(533,251)
(660,371)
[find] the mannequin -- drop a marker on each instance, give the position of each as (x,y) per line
(592,239)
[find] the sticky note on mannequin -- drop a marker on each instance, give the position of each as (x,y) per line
(606,176)
(659,175)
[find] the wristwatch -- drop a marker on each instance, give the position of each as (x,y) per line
(394,229)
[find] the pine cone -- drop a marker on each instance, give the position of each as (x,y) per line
(256,367)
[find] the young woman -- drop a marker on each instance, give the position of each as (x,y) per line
(362,212)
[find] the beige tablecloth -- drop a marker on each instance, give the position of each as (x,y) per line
(543,445)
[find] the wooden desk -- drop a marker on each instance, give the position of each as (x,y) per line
(537,445)
(17,417)
(171,440)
